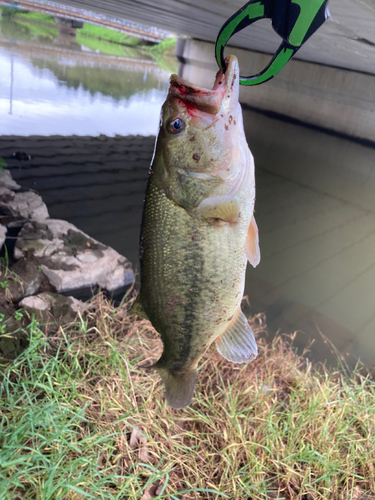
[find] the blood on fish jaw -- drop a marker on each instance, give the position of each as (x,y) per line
(198,98)
(190,108)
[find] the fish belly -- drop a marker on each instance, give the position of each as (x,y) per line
(192,278)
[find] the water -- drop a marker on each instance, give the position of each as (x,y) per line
(56,86)
(315,204)
(315,210)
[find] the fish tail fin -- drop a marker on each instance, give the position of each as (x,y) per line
(179,387)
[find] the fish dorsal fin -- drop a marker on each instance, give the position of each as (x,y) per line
(137,308)
(225,208)
(237,343)
(252,243)
(179,386)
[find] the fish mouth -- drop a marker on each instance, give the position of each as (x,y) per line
(223,93)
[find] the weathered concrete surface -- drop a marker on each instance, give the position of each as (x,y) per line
(324,96)
(70,258)
(347,40)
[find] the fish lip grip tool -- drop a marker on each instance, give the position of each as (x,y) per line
(293,20)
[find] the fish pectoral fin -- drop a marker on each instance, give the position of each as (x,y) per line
(252,243)
(179,386)
(225,208)
(137,308)
(237,344)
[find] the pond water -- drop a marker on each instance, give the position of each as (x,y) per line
(315,210)
(315,205)
(50,84)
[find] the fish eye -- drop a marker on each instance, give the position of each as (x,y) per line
(176,125)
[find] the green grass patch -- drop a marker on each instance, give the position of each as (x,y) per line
(166,46)
(8,11)
(106,47)
(108,34)
(29,15)
(38,17)
(38,30)
(80,419)
(163,54)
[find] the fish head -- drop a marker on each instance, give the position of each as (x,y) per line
(201,138)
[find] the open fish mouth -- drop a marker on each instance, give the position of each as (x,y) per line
(223,93)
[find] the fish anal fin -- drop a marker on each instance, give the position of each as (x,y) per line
(252,243)
(225,208)
(137,308)
(237,344)
(179,386)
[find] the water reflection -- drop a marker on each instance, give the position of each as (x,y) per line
(49,84)
(21,30)
(315,212)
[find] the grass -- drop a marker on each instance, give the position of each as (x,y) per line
(108,34)
(38,30)
(31,16)
(81,419)
(106,47)
(166,45)
(163,54)
(3,164)
(38,17)
(8,11)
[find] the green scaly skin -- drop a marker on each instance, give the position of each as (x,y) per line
(192,276)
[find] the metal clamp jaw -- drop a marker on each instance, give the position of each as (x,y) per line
(293,20)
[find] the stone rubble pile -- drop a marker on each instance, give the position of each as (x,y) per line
(50,257)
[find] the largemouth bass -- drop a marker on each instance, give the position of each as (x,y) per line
(198,231)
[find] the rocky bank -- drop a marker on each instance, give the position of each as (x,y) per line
(47,265)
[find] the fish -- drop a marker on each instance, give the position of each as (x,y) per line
(198,231)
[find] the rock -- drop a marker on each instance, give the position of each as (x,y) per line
(70,259)
(6,180)
(23,204)
(12,338)
(53,310)
(3,232)
(25,278)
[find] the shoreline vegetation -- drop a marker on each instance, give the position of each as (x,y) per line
(98,38)
(80,418)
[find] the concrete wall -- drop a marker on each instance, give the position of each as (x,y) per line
(325,96)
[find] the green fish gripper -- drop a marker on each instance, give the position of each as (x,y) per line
(293,20)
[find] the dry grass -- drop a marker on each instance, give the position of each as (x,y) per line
(81,419)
